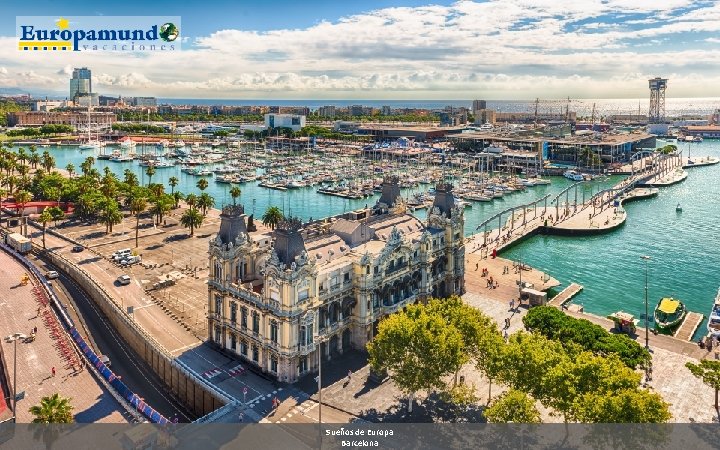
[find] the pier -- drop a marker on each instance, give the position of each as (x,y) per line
(691,323)
(566,295)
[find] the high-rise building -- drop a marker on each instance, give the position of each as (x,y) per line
(327,111)
(81,82)
(478,105)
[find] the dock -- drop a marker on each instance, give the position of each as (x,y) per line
(691,323)
(565,295)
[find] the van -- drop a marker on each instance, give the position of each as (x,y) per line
(130,260)
(105,360)
(123,280)
(121,254)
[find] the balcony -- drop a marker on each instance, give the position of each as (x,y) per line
(306,349)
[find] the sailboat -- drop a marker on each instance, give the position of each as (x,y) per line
(90,144)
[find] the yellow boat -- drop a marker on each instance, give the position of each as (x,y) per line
(669,313)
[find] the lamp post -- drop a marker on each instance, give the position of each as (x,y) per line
(647,338)
(14,338)
(320,341)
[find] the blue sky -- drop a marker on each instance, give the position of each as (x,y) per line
(383,49)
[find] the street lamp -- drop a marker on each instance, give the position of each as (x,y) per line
(647,339)
(320,342)
(14,338)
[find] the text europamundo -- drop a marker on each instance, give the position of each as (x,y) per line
(149,34)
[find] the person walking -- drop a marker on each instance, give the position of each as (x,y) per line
(53,371)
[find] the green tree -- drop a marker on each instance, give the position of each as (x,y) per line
(177,196)
(56,213)
(45,217)
(137,206)
(202,184)
(417,349)
(22,198)
(70,169)
(161,206)
(709,372)
(272,217)
(192,219)
(205,202)
(173,181)
(130,178)
(513,406)
(235,193)
(52,409)
(110,214)
(48,161)
(554,324)
(150,171)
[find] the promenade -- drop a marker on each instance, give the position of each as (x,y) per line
(20,313)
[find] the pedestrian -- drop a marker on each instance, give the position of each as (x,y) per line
(477,265)
(349,375)
(512,304)
(35,330)
(240,417)
(53,371)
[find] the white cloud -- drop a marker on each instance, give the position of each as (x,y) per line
(498,49)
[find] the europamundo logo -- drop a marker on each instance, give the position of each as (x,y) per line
(98,33)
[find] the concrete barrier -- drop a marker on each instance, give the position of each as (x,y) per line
(200,397)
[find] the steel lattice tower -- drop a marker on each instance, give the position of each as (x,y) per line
(657,100)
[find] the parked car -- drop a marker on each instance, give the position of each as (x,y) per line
(78,248)
(130,260)
(105,360)
(51,275)
(121,254)
(123,280)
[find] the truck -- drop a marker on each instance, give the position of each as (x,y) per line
(20,243)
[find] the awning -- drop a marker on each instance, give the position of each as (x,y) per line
(669,305)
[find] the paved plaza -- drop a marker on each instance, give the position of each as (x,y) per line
(19,313)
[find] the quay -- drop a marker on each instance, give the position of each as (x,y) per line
(566,295)
(690,324)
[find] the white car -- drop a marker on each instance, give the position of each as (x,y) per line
(130,260)
(124,280)
(121,254)
(51,275)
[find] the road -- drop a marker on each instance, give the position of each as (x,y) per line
(135,373)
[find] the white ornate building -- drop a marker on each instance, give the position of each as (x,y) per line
(279,297)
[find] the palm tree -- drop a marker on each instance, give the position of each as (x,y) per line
(34,160)
(45,217)
(110,214)
(177,196)
(161,206)
(191,219)
(272,217)
(205,202)
(150,171)
(137,206)
(48,161)
(202,184)
(191,200)
(173,181)
(53,409)
(235,193)
(70,169)
(21,199)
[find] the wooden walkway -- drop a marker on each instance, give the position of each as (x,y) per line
(686,331)
(566,295)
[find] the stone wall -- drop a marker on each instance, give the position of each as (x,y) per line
(199,397)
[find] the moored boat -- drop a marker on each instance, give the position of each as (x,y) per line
(714,319)
(669,313)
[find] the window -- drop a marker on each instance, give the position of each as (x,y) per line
(309,334)
(218,305)
(302,366)
(218,336)
(303,295)
(218,271)
(233,341)
(243,348)
(256,353)
(347,276)
(233,312)
(243,318)
(273,364)
(274,331)
(255,322)
(375,270)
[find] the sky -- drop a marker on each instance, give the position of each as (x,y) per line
(378,49)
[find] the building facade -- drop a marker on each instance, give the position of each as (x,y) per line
(81,82)
(293,121)
(279,299)
(28,118)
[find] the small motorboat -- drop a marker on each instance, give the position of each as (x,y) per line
(678,208)
(669,314)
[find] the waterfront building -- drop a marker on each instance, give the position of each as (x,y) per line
(144,102)
(279,298)
(356,110)
(386,111)
(47,105)
(37,118)
(483,116)
(292,121)
(87,100)
(81,82)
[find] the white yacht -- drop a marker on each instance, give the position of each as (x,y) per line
(573,175)
(714,319)
(487,126)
